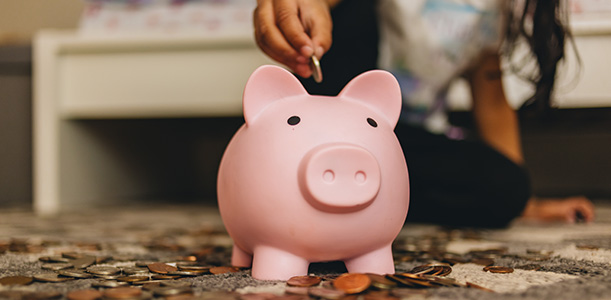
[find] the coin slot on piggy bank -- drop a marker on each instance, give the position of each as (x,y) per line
(312,178)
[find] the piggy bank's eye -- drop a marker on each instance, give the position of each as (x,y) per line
(294,120)
(372,122)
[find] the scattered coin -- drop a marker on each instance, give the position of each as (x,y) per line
(80,274)
(161,268)
(133,270)
(587,247)
(316,70)
(108,284)
(164,277)
(84,295)
(16,280)
(498,269)
(54,259)
(186,273)
(56,266)
(303,281)
(133,278)
(102,270)
(352,283)
(381,282)
(83,262)
(193,268)
(51,277)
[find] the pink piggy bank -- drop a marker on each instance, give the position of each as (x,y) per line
(314,178)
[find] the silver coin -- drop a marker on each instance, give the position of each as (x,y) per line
(52,277)
(54,259)
(75,274)
(83,262)
(316,71)
(101,270)
(135,270)
(56,266)
(108,284)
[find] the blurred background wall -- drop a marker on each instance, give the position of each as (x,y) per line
(19,21)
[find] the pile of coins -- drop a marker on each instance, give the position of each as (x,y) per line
(124,277)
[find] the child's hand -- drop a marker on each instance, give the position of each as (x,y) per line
(568,210)
(291,31)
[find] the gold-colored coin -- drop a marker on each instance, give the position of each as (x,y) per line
(303,281)
(381,282)
(83,262)
(16,280)
(133,278)
(498,269)
(161,268)
(352,283)
(84,295)
(51,278)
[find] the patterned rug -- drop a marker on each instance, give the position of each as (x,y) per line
(182,252)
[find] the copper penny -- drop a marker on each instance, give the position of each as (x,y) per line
(16,280)
(84,295)
(303,281)
(161,268)
(498,269)
(352,283)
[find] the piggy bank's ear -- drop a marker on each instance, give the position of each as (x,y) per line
(379,90)
(266,85)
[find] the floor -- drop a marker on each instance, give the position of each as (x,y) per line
(547,261)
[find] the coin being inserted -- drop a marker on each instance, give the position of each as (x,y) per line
(316,71)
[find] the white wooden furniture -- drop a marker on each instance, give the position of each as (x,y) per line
(77,78)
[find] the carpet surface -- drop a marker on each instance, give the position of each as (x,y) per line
(538,261)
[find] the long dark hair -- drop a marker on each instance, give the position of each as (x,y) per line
(543,25)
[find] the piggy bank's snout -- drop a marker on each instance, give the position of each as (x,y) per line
(339,177)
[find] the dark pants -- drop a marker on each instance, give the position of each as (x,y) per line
(454,183)
(461,183)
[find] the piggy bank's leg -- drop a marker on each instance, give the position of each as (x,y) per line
(378,261)
(275,264)
(240,258)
